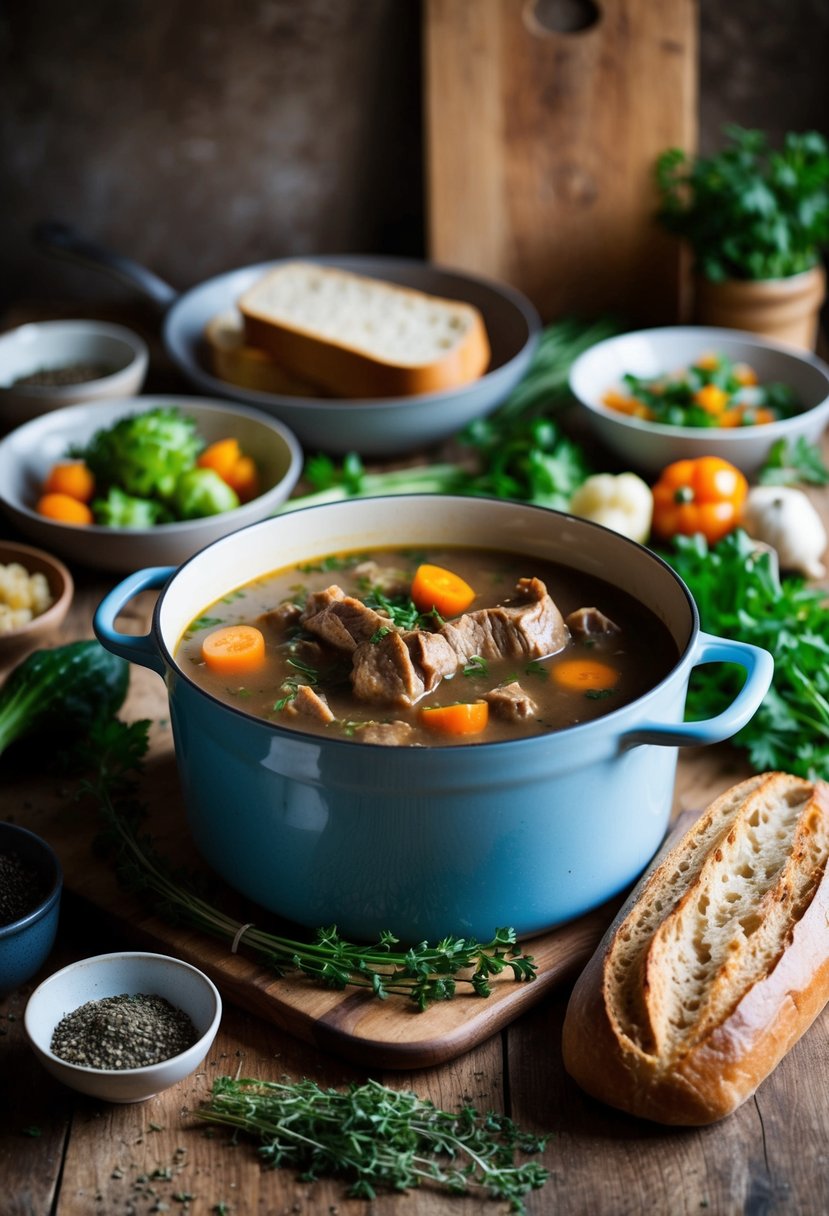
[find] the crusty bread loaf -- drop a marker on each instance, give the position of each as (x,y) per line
(232,360)
(717,963)
(362,337)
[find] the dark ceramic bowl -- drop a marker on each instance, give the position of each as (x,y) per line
(26,943)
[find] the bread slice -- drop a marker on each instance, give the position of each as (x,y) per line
(362,337)
(717,963)
(246,366)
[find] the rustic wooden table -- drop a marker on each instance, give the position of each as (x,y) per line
(62,1154)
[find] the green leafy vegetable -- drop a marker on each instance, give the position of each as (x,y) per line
(795,463)
(518,452)
(143,454)
(113,754)
(120,510)
(379,1138)
(749,212)
(65,689)
(740,595)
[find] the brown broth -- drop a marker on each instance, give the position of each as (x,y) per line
(640,654)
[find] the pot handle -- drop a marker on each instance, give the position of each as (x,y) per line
(143,649)
(759,668)
(66,242)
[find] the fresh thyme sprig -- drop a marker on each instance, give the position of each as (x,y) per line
(380,1138)
(113,755)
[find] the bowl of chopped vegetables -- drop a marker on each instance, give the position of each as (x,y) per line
(36,590)
(122,1027)
(122,484)
(659,395)
(47,365)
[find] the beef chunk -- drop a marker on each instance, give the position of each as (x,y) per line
(385,578)
(309,652)
(529,627)
(589,622)
(432,655)
(393,734)
(511,702)
(384,672)
(322,599)
(283,617)
(309,704)
(345,623)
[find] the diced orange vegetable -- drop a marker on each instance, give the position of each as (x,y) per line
(64,509)
(434,587)
(709,362)
(72,478)
(244,478)
(711,398)
(465,718)
(704,495)
(584,675)
(744,374)
(220,456)
(234,649)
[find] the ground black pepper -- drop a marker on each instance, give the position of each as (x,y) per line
(56,377)
(126,1031)
(21,888)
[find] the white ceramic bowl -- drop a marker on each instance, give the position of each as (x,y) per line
(105,975)
(648,446)
(56,344)
(27,454)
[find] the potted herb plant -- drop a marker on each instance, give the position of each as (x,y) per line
(755,219)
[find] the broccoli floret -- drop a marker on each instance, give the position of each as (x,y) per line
(201,492)
(120,510)
(145,453)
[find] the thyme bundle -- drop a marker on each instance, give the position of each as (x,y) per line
(425,973)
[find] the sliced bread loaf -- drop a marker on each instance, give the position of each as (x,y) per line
(717,963)
(362,337)
(233,361)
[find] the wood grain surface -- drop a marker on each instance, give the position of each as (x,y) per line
(540,147)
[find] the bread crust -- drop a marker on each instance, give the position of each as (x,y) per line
(716,1070)
(347,371)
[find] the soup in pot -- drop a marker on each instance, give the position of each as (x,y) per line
(435,647)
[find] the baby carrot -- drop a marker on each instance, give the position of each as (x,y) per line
(243,477)
(234,649)
(64,510)
(72,478)
(464,718)
(220,456)
(584,675)
(434,587)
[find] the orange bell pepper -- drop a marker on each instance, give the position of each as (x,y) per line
(704,495)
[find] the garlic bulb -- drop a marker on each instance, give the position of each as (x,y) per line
(784,518)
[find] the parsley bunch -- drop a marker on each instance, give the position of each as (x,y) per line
(740,595)
(749,212)
(379,1138)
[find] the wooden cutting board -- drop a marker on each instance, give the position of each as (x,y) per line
(541,142)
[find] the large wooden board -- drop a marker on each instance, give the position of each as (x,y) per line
(540,147)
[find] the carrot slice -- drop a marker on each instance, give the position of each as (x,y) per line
(72,478)
(220,456)
(434,587)
(64,510)
(234,649)
(464,718)
(584,675)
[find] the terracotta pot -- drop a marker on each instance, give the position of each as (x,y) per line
(784,309)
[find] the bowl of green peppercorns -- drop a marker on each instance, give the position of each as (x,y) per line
(30,889)
(123,1026)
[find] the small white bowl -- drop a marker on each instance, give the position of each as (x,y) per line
(51,345)
(649,446)
(27,454)
(105,975)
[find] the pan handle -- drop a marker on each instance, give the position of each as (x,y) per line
(66,242)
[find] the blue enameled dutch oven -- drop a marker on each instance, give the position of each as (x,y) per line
(420,841)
